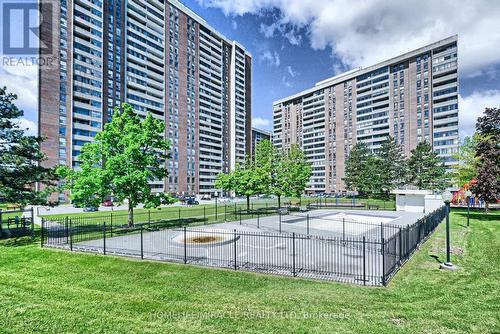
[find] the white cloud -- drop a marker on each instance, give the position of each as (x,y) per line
(272,58)
(23,81)
(472,106)
(286,82)
(290,71)
(29,127)
(370,31)
(260,122)
(234,24)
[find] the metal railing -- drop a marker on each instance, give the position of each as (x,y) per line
(365,259)
(14,223)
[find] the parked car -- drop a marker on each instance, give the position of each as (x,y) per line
(192,201)
(90,209)
(107,203)
(206,197)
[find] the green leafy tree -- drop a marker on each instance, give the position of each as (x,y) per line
(391,167)
(244,180)
(298,172)
(21,158)
(466,168)
(426,169)
(487,185)
(357,171)
(124,158)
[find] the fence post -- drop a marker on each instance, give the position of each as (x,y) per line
(225,212)
(185,246)
(149,217)
(67,229)
(293,255)
(307,223)
(41,232)
(104,237)
(1,219)
(279,213)
(204,216)
(364,260)
(111,227)
(142,242)
(381,231)
(382,244)
(179,216)
(70,235)
(240,216)
(343,229)
(258,219)
(234,249)
(400,245)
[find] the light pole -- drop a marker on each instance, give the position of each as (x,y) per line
(447,196)
(468,195)
(216,195)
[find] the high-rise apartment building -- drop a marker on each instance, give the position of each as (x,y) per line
(161,58)
(257,136)
(413,98)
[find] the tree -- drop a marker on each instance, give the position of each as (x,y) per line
(391,167)
(124,158)
(298,172)
(21,158)
(357,171)
(466,168)
(487,185)
(426,169)
(244,180)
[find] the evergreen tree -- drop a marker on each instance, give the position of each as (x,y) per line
(124,158)
(487,184)
(392,166)
(20,158)
(357,170)
(426,169)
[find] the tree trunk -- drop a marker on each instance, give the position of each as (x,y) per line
(130,214)
(279,201)
(248,203)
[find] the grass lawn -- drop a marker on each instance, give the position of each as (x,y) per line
(53,291)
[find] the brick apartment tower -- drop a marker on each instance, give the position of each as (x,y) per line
(161,58)
(412,97)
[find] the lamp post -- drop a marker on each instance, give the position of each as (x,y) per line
(468,195)
(216,195)
(447,196)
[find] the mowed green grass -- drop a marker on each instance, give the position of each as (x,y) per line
(55,291)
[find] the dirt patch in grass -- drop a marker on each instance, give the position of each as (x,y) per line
(203,239)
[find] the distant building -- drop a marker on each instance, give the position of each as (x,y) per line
(412,97)
(161,58)
(257,136)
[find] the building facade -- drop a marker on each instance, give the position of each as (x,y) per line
(161,58)
(257,136)
(413,98)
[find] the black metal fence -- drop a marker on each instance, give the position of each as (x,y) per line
(367,260)
(15,223)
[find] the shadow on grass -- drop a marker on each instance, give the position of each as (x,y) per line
(17,241)
(435,257)
(481,216)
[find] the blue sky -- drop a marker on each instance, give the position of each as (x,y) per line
(296,43)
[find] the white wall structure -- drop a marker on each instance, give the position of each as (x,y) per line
(413,200)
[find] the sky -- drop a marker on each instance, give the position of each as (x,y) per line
(296,43)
